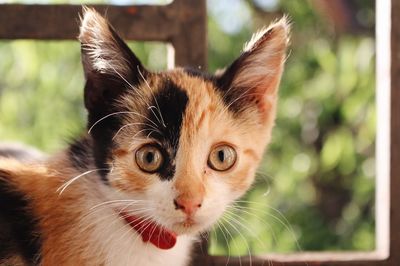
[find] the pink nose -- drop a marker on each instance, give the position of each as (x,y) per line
(188,205)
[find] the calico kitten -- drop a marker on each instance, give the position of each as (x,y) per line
(164,155)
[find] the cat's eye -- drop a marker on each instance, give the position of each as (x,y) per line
(222,157)
(149,158)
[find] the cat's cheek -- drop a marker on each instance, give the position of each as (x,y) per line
(161,194)
(218,196)
(240,181)
(130,181)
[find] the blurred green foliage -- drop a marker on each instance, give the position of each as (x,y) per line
(41,90)
(315,188)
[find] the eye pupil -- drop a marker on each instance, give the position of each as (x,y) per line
(149,157)
(222,158)
(221,155)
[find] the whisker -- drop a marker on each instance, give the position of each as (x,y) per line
(131,145)
(62,188)
(133,124)
(220,225)
(113,214)
(241,236)
(155,100)
(117,113)
(243,94)
(270,262)
(266,178)
(143,217)
(285,222)
(244,226)
(128,83)
(141,95)
(259,219)
(116,201)
(144,224)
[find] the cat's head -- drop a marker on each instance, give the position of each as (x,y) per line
(184,144)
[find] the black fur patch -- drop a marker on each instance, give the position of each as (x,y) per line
(172,102)
(100,96)
(200,74)
(223,83)
(79,153)
(103,144)
(18,225)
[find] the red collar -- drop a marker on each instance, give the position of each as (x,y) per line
(150,231)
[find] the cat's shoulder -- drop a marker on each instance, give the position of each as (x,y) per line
(19,167)
(17,222)
(18,164)
(15,173)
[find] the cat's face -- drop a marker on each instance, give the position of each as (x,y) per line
(184,145)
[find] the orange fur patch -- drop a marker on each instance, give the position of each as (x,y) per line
(252,153)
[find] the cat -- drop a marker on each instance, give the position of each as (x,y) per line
(164,155)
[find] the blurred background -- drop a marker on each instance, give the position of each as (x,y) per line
(315,187)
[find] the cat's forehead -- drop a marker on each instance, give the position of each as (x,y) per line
(195,84)
(200,89)
(164,102)
(173,91)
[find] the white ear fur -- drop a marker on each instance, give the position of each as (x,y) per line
(100,50)
(263,59)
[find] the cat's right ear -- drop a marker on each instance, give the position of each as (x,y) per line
(110,67)
(252,80)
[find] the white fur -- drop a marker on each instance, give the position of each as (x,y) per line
(103,53)
(116,243)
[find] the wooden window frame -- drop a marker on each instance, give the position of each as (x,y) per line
(183,25)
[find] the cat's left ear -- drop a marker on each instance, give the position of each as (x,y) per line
(110,67)
(253,79)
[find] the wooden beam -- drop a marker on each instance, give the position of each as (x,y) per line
(191,42)
(61,22)
(301,259)
(182,23)
(395,134)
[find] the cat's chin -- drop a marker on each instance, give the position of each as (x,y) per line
(187,228)
(140,224)
(191,227)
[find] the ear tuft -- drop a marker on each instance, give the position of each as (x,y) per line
(280,30)
(110,67)
(101,46)
(264,55)
(253,78)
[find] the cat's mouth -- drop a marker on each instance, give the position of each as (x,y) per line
(151,231)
